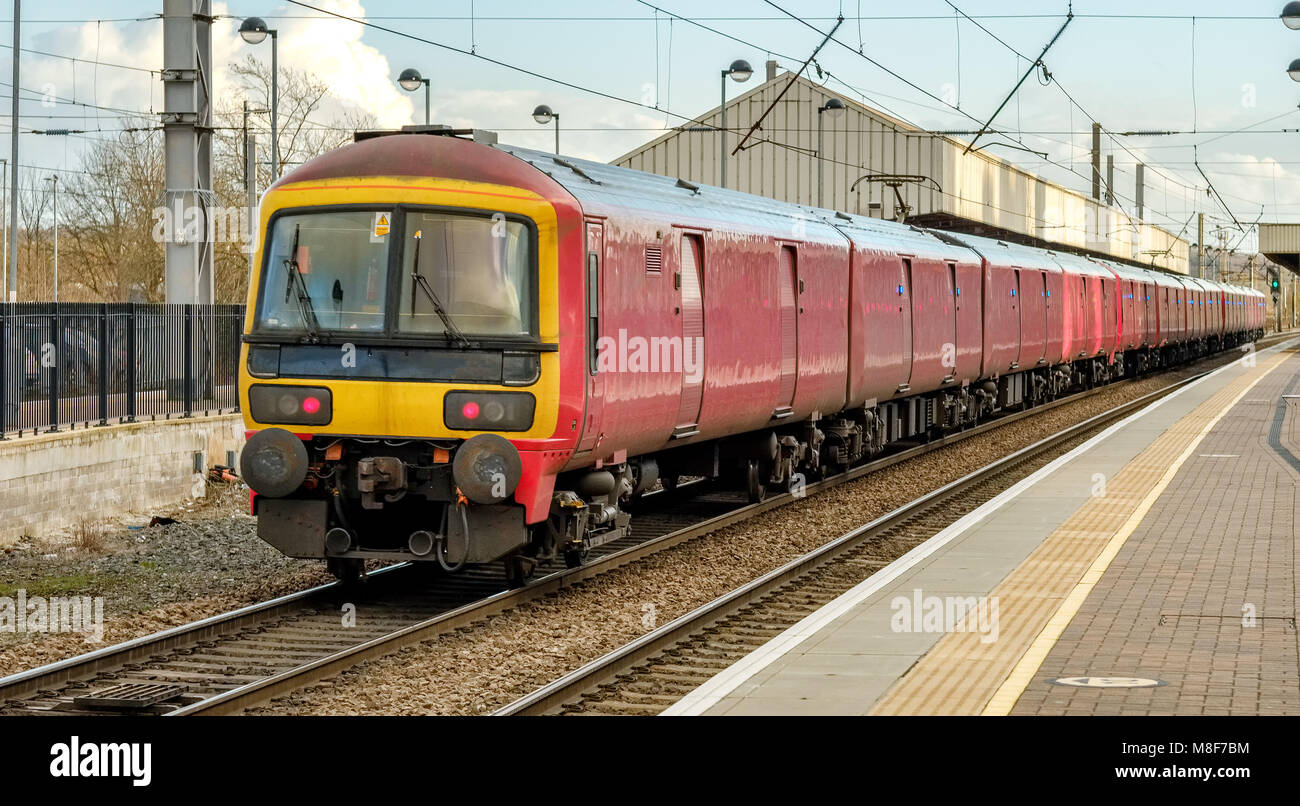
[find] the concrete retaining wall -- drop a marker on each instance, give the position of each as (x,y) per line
(50,482)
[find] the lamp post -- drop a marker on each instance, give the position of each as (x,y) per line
(834,107)
(4,202)
(1294,70)
(13,155)
(253,30)
(250,178)
(250,182)
(410,80)
(55,180)
(1291,15)
(543,114)
(740,71)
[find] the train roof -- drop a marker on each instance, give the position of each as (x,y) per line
(599,186)
(422,155)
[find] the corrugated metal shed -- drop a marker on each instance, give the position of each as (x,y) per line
(864,146)
(1281,244)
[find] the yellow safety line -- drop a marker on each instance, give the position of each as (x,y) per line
(1005,698)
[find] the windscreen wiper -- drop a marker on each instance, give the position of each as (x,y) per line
(449,328)
(300,286)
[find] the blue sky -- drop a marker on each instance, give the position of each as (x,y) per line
(1131,73)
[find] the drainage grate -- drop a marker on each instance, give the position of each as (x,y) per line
(130,696)
(1107,682)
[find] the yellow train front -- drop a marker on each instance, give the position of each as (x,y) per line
(402,375)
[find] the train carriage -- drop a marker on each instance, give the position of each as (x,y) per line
(461,352)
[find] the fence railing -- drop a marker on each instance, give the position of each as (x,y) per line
(72,365)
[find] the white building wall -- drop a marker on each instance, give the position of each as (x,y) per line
(977,186)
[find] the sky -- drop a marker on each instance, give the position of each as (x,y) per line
(1212,71)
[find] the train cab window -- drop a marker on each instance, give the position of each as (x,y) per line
(326,272)
(467,273)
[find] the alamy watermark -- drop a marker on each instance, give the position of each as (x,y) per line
(194,224)
(670,354)
(53,614)
(936,614)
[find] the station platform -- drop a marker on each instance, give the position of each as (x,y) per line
(1151,570)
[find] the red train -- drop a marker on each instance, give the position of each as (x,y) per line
(537,340)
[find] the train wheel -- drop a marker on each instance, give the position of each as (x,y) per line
(573,558)
(518,569)
(755,484)
(347,570)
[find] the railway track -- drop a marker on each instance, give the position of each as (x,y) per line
(229,663)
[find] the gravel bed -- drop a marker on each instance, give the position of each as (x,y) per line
(476,670)
(150,577)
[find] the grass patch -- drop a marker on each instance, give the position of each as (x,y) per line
(58,585)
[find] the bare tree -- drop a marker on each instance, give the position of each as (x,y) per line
(110,218)
(301,136)
(35,281)
(110,211)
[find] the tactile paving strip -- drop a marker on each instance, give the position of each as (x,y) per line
(962,674)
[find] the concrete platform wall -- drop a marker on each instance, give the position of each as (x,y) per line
(50,482)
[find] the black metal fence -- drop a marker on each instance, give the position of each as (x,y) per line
(72,365)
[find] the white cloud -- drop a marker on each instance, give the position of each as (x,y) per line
(1250,177)
(358,75)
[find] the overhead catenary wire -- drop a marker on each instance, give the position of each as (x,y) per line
(1215,191)
(523,70)
(1015,90)
(795,77)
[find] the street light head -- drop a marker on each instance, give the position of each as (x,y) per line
(1294,70)
(834,107)
(543,114)
(410,79)
(1291,15)
(740,71)
(253,30)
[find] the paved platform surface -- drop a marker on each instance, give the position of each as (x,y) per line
(1202,596)
(1162,550)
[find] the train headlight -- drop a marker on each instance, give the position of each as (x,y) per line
(488,411)
(290,405)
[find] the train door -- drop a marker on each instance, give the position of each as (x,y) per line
(1033,317)
(1106,327)
(595,380)
(1053,317)
(1046,296)
(692,288)
(1168,321)
(1152,333)
(905,304)
(789,281)
(953,290)
(1019,312)
(1128,329)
